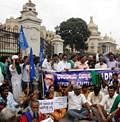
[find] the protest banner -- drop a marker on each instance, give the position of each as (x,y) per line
(46,106)
(80,77)
(60,102)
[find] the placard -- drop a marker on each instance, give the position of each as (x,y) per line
(46,106)
(47,120)
(60,102)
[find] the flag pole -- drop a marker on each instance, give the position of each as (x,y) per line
(41,61)
(43,94)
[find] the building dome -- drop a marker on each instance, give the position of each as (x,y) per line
(93,28)
(29,8)
(92,25)
(106,38)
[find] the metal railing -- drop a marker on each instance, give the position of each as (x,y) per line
(8,42)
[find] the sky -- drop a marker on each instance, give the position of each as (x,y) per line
(106,13)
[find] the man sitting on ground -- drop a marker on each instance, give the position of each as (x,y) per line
(33,114)
(107,104)
(75,102)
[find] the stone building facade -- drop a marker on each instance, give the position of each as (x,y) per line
(33,29)
(97,43)
(34,32)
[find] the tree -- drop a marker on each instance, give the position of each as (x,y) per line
(74,32)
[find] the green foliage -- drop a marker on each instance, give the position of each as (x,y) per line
(75,32)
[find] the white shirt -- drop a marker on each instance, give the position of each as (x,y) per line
(92,99)
(62,65)
(56,67)
(11,102)
(75,102)
(104,90)
(112,64)
(103,66)
(25,73)
(107,102)
(46,65)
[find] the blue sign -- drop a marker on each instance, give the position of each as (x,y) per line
(80,77)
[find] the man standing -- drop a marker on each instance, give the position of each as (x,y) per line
(26,74)
(101,64)
(16,78)
(64,65)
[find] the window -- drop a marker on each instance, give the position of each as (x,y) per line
(15,28)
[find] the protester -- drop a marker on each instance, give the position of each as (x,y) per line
(106,104)
(64,65)
(114,81)
(111,63)
(82,64)
(60,56)
(26,73)
(101,64)
(85,90)
(55,62)
(95,97)
(51,92)
(7,115)
(104,87)
(91,62)
(47,63)
(33,115)
(16,78)
(72,60)
(58,113)
(6,98)
(86,101)
(75,102)
(7,74)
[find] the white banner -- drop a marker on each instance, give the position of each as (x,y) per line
(46,106)
(47,120)
(60,102)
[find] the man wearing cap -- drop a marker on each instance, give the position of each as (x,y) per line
(15,70)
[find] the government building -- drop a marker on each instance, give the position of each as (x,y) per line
(34,32)
(97,43)
(9,32)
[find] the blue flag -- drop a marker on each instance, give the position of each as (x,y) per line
(32,67)
(41,52)
(22,40)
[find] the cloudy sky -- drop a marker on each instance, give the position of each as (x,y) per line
(106,13)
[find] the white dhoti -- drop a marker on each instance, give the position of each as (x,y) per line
(16,83)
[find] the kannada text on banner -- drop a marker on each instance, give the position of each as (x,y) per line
(80,77)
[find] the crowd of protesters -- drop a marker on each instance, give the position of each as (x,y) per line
(19,97)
